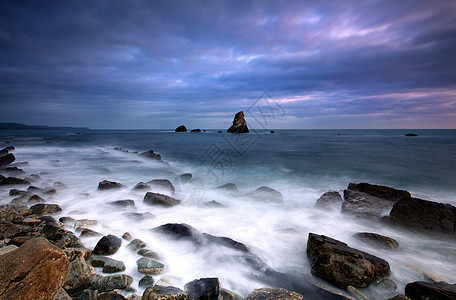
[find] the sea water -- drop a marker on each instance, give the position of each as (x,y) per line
(301,164)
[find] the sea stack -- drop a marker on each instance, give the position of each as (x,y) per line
(239,124)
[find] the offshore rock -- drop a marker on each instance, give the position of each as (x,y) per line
(379,191)
(239,124)
(329,200)
(181,128)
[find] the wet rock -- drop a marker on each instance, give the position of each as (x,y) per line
(36,199)
(329,200)
(148,253)
(136,244)
(60,237)
(123,203)
(34,189)
(6,249)
(160,199)
(67,220)
(7,159)
(184,178)
(77,253)
(379,191)
(107,245)
(45,209)
(109,265)
(37,268)
(141,186)
(203,289)
(127,236)
(50,191)
(228,187)
(273,294)
(162,185)
(363,203)
(85,232)
(150,266)
(411,134)
(386,287)
(265,193)
(112,295)
(164,293)
(425,290)
(150,154)
(48,219)
(9,230)
(14,181)
(146,281)
(377,240)
(16,192)
(83,223)
(7,215)
(229,295)
(108,185)
(79,277)
(62,295)
(239,124)
(424,215)
(181,128)
(31,222)
(134,297)
(341,265)
(196,130)
(109,283)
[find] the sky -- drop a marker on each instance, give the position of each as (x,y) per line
(287,64)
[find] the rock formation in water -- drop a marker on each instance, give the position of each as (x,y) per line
(239,124)
(181,128)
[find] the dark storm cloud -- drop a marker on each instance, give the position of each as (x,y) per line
(156,64)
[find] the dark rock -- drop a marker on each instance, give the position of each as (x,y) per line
(141,186)
(85,232)
(7,215)
(123,203)
(399,297)
(150,266)
(228,187)
(3,152)
(424,215)
(162,185)
(181,128)
(138,217)
(185,178)
(45,209)
(62,295)
(36,270)
(377,240)
(425,290)
(164,293)
(136,244)
(108,185)
(362,203)
(47,219)
(146,281)
(127,236)
(14,180)
(219,131)
(109,283)
(67,220)
(239,124)
(379,191)
(77,253)
(36,199)
(31,222)
(15,192)
(265,193)
(148,253)
(329,200)
(60,237)
(411,134)
(196,130)
(109,265)
(7,159)
(229,295)
(112,295)
(160,199)
(34,189)
(272,131)
(9,230)
(203,289)
(50,191)
(88,294)
(79,277)
(273,294)
(341,265)
(107,245)
(150,154)
(14,171)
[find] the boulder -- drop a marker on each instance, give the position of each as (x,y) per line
(203,289)
(273,294)
(7,215)
(47,219)
(337,263)
(36,270)
(60,237)
(45,209)
(9,230)
(109,265)
(164,293)
(111,295)
(228,187)
(196,130)
(160,199)
(146,281)
(239,124)
(76,253)
(379,191)
(377,240)
(85,232)
(162,185)
(265,193)
(181,128)
(109,283)
(14,181)
(424,215)
(150,266)
(107,245)
(83,223)
(365,204)
(136,244)
(329,200)
(36,199)
(16,192)
(79,277)
(150,154)
(127,236)
(425,290)
(148,253)
(229,295)
(108,185)
(7,159)
(141,186)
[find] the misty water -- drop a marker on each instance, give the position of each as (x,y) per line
(301,164)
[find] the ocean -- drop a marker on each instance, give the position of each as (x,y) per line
(301,164)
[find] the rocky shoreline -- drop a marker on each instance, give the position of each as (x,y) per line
(44,258)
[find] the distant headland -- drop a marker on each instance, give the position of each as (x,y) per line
(19,126)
